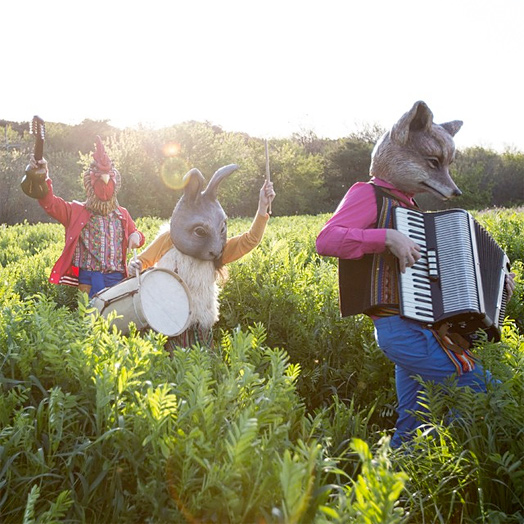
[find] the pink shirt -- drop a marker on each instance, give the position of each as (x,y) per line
(350,232)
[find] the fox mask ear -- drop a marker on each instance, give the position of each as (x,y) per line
(418,118)
(452,127)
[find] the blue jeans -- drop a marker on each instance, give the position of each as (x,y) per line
(98,280)
(415,351)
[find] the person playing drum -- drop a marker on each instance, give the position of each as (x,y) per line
(235,248)
(98,231)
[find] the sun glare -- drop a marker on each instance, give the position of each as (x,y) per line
(171,149)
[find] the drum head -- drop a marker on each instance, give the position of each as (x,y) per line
(165,301)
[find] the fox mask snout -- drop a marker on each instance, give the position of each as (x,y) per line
(416,153)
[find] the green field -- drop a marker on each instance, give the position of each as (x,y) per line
(287,420)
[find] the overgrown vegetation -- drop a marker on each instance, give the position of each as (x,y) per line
(286,421)
(311,175)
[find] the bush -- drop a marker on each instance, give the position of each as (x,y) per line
(470,469)
(284,422)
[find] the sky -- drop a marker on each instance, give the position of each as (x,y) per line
(269,69)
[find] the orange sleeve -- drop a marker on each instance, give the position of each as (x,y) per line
(237,247)
(154,252)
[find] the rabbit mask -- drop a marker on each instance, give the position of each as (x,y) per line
(199,224)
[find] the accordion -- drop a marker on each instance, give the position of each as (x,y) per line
(460,277)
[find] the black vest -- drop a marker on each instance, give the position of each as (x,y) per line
(370,284)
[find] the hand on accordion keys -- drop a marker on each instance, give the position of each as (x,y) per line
(407,251)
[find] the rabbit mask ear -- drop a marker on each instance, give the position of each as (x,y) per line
(193,183)
(220,174)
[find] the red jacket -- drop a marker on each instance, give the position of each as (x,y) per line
(74,216)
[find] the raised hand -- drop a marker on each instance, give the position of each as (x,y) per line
(267,194)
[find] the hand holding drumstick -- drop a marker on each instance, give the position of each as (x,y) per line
(267,194)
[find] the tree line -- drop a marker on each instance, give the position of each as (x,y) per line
(310,174)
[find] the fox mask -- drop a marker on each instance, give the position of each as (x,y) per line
(416,153)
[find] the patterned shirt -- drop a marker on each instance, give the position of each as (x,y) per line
(99,247)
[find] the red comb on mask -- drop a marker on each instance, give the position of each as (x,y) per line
(102,161)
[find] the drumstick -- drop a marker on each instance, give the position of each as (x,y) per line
(268,174)
(136,266)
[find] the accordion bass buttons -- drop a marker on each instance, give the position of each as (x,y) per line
(432,264)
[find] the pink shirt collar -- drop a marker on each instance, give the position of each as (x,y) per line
(388,185)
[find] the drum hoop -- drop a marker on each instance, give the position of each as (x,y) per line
(109,301)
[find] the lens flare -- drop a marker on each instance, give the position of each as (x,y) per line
(174,167)
(171,149)
(172,172)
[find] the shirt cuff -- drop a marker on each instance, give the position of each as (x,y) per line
(374,240)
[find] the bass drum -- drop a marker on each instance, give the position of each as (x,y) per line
(158,299)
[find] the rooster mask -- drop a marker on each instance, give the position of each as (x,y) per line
(101,182)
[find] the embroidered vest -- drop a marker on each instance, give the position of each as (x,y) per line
(370,284)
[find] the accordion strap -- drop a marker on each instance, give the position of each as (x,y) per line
(453,341)
(456,347)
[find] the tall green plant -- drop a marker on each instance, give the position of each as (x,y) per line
(259,428)
(466,465)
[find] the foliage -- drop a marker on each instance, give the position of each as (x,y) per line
(348,162)
(467,464)
(298,176)
(475,174)
(311,175)
(298,292)
(286,420)
(509,186)
(109,428)
(373,496)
